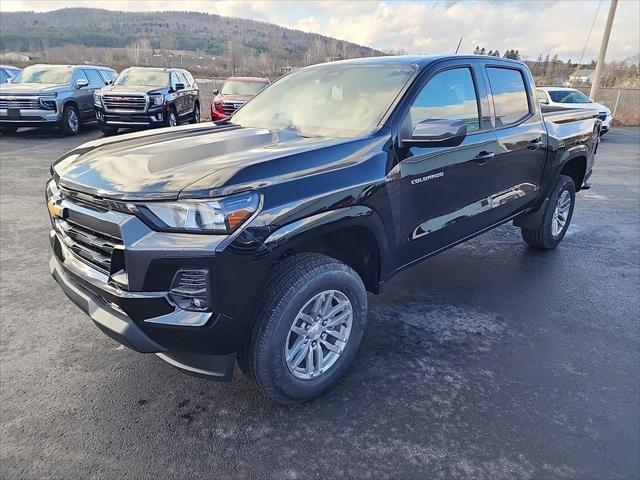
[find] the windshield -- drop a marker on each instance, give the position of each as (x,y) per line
(568,96)
(53,75)
(327,100)
(236,87)
(144,78)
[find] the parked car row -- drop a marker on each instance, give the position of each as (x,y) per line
(68,95)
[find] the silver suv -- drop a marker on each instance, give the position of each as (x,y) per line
(59,95)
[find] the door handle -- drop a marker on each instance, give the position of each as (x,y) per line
(483,157)
(535,144)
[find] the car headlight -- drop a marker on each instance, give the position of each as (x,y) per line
(156,99)
(97,99)
(217,215)
(48,101)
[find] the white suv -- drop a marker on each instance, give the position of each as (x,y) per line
(564,97)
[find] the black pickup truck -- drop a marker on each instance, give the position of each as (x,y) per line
(257,240)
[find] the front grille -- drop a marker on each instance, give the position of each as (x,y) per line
(602,116)
(137,103)
(230,107)
(23,103)
(92,247)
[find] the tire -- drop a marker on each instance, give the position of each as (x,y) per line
(69,124)
(550,233)
(172,118)
(293,287)
(107,130)
(196,114)
(8,129)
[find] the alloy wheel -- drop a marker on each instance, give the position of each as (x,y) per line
(72,120)
(561,213)
(319,334)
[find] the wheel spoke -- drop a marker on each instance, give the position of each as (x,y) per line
(298,353)
(319,355)
(328,300)
(337,309)
(337,320)
(336,334)
(331,347)
(309,365)
(300,331)
(306,318)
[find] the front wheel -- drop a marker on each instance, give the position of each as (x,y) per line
(556,218)
(69,124)
(196,114)
(307,328)
(172,118)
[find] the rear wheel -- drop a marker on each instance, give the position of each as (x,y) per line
(69,124)
(557,216)
(107,130)
(307,328)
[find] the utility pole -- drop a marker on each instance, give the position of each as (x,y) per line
(595,85)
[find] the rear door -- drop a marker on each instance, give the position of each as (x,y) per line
(521,136)
(445,190)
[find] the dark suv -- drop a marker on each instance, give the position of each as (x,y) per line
(147,97)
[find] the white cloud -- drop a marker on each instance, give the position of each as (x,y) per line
(533,27)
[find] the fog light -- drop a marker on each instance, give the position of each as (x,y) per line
(190,290)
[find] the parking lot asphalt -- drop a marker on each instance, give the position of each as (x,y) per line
(491,360)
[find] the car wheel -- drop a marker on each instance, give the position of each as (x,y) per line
(307,328)
(196,114)
(172,118)
(8,129)
(556,218)
(70,122)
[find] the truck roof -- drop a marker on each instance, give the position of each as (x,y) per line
(420,60)
(249,79)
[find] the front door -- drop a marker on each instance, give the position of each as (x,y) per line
(445,191)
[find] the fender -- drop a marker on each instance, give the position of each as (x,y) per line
(330,221)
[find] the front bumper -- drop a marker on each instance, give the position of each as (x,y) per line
(29,118)
(119,119)
(117,325)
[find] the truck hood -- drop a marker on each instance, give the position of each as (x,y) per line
(194,161)
(124,89)
(29,88)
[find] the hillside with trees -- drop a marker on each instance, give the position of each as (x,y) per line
(208,43)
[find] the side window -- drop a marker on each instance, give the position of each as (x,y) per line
(448,95)
(509,95)
(79,75)
(183,79)
(107,75)
(174,80)
(190,79)
(3,77)
(95,80)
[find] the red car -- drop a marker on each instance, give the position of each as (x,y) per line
(236,91)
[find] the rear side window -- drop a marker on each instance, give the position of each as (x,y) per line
(449,95)
(509,95)
(95,80)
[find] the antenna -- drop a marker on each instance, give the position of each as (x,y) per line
(458,47)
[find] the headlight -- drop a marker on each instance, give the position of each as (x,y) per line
(156,99)
(48,101)
(221,215)
(97,99)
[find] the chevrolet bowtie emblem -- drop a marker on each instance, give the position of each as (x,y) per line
(55,210)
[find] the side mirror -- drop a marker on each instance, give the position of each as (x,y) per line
(179,86)
(81,83)
(438,132)
(9,80)
(216,91)
(544,102)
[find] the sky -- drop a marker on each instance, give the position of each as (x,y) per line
(531,26)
